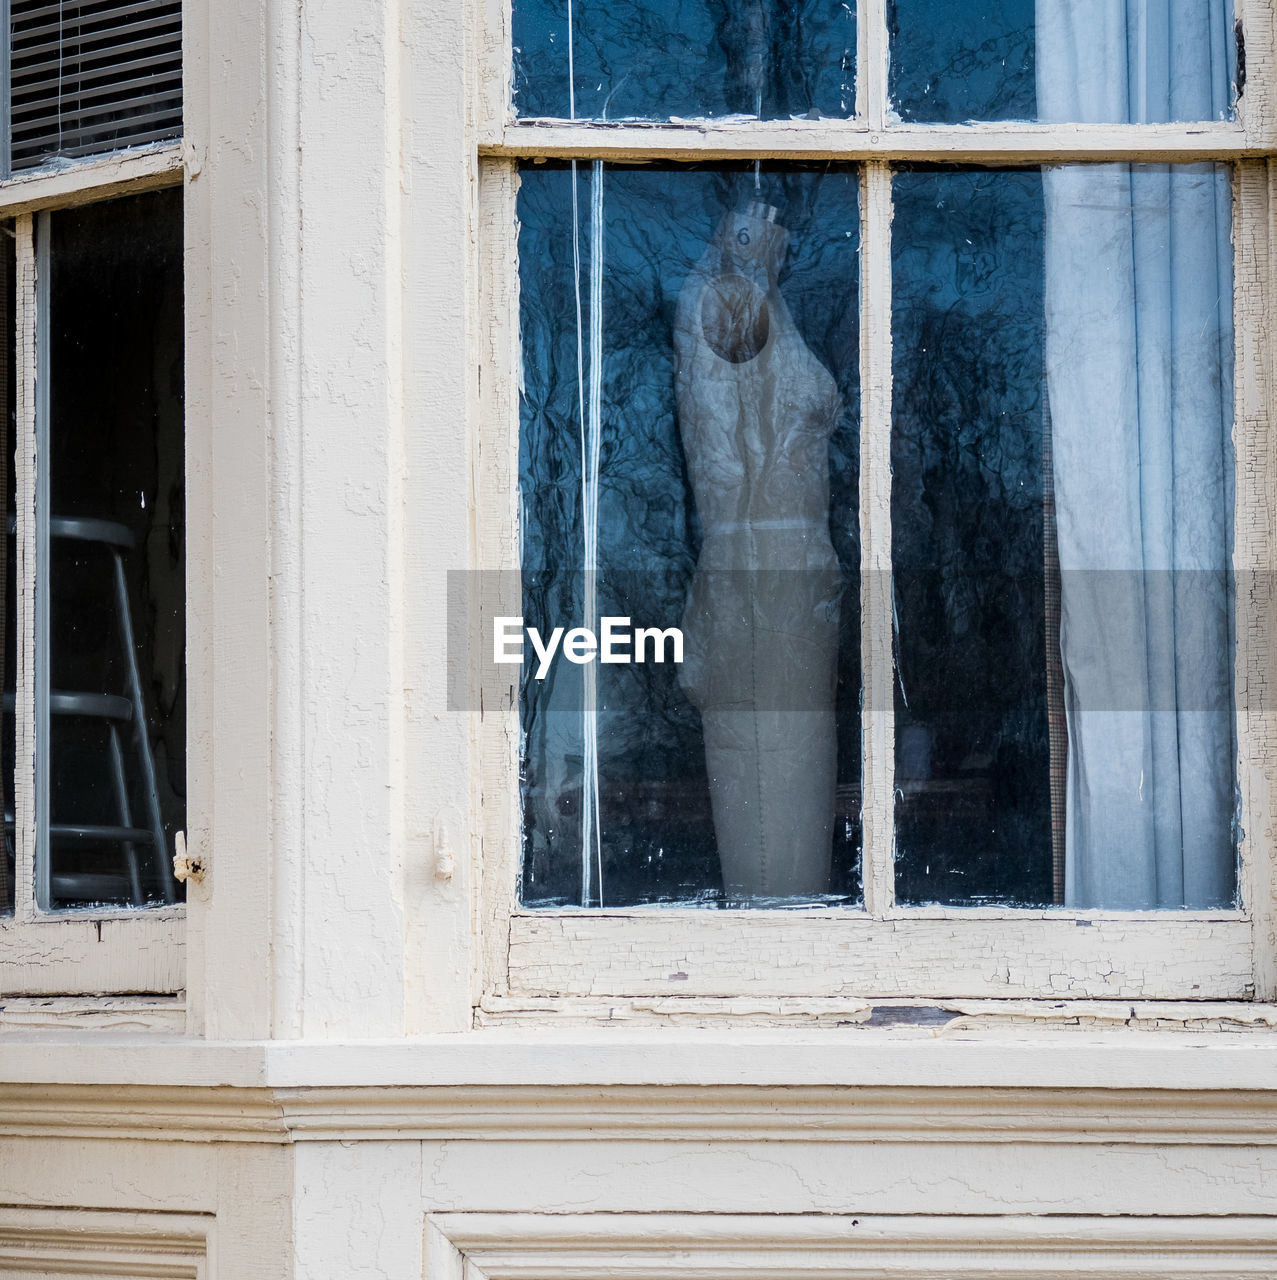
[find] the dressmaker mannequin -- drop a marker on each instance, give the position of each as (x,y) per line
(756,410)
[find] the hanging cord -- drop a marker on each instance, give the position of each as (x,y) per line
(61,61)
(591,836)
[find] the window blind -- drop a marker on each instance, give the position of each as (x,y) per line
(88,76)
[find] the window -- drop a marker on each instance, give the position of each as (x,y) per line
(901,381)
(92,76)
(94,725)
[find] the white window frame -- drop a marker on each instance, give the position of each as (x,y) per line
(99,950)
(540,959)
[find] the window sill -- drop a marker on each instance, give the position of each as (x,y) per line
(1003,1055)
(69,183)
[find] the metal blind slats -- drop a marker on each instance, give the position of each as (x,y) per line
(53,17)
(47,41)
(153,79)
(144,87)
(45,58)
(97,121)
(91,145)
(88,76)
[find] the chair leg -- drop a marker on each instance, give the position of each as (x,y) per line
(125,813)
(139,730)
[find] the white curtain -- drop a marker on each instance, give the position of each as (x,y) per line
(1139,360)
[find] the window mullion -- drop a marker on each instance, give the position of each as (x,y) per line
(40,630)
(878,709)
(872,53)
(24,506)
(1254,263)
(986,144)
(6,97)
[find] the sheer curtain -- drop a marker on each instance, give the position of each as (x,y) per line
(1139,359)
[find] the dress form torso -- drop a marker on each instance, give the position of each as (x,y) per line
(756,410)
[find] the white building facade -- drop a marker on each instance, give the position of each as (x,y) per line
(352,1052)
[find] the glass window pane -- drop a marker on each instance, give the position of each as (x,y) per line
(1098,61)
(972,61)
(658,59)
(116,551)
(1062,537)
(689,428)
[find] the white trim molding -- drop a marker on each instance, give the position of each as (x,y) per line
(81,1242)
(494,1246)
(1141,1091)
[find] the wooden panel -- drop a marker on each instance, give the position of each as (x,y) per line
(70,955)
(726,953)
